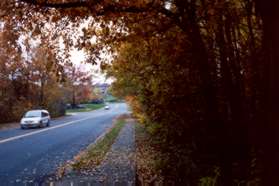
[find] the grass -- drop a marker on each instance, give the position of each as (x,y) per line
(110,98)
(88,107)
(96,153)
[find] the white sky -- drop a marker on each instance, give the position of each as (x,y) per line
(78,58)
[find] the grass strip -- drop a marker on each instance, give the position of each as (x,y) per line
(95,154)
(88,107)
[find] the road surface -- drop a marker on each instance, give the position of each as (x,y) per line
(30,155)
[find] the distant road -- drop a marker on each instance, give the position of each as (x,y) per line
(30,155)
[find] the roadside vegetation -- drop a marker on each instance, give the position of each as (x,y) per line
(87,107)
(94,155)
(111,99)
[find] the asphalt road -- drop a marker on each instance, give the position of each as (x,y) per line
(30,155)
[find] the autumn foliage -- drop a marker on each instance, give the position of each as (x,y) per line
(198,87)
(37,80)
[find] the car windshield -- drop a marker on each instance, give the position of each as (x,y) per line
(32,114)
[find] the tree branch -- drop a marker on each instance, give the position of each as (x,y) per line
(63,5)
(111,8)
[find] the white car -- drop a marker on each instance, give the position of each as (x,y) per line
(106,107)
(35,118)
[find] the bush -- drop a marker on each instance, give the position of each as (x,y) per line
(57,108)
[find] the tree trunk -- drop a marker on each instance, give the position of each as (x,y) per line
(227,85)
(270,122)
(73,97)
(42,93)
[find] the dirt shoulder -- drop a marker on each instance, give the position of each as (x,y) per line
(5,126)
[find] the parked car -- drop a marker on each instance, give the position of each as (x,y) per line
(68,106)
(80,106)
(107,107)
(76,106)
(35,118)
(97,101)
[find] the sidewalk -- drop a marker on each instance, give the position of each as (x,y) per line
(118,168)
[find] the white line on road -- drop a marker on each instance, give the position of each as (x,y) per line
(43,130)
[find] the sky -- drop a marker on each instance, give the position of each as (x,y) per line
(78,58)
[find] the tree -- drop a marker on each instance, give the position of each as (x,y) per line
(28,81)
(43,70)
(268,117)
(80,84)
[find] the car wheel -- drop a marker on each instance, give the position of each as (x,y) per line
(41,124)
(22,127)
(48,122)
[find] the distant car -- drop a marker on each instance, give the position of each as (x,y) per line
(76,106)
(80,106)
(68,106)
(35,118)
(97,101)
(106,107)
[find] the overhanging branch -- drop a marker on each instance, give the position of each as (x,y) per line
(153,5)
(63,5)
